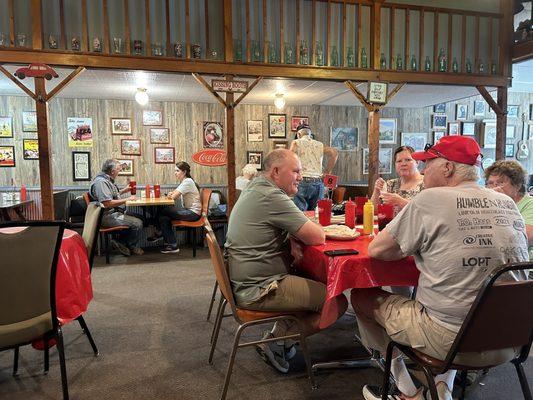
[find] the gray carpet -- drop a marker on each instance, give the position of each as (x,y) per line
(148,320)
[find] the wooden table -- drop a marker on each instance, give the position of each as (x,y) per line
(15,205)
(150,201)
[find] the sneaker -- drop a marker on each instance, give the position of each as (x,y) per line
(443,391)
(170,249)
(273,354)
(374,393)
(154,239)
(137,251)
(290,350)
(120,247)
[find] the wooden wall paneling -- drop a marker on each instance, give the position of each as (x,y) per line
(187,29)
(463,44)
(265,34)
(476,44)
(298,32)
(313,34)
(375,29)
(505,38)
(105,15)
(435,41)
(148,39)
(248,40)
(37,26)
(344,37)
(407,50)
(84,27)
(421,41)
(127,31)
(359,33)
(328,34)
(450,43)
(491,33)
(392,23)
(206,13)
(281,33)
(228,30)
(11,10)
(63,35)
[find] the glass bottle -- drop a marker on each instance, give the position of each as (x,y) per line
(442,61)
(350,58)
(399,62)
(319,54)
(468,66)
(414,64)
(455,66)
(382,61)
(237,50)
(304,53)
(493,69)
(481,67)
(427,65)
(288,53)
(256,51)
(334,57)
(271,52)
(364,59)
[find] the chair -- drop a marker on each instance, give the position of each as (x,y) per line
(193,226)
(499,318)
(60,205)
(27,289)
(245,318)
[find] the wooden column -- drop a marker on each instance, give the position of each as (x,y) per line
(373,149)
(37,32)
(375,36)
(501,123)
(230,129)
(228,33)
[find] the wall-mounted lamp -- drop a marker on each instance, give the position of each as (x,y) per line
(279,101)
(141,96)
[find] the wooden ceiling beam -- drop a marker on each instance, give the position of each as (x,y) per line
(64,83)
(18,83)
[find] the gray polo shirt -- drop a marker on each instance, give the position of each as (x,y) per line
(103,188)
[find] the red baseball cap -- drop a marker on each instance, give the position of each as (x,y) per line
(461,149)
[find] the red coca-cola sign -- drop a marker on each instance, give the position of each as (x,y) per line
(210,157)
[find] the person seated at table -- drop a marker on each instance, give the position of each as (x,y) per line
(249,172)
(432,227)
(258,250)
(190,208)
(104,190)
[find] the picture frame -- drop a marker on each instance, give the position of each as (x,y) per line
(152,118)
(130,147)
(344,138)
(298,120)
(415,140)
(29,121)
(277,126)
(387,130)
(531,112)
(454,128)
(439,108)
(255,158)
(488,138)
(254,130)
(159,136)
(439,121)
(468,128)
(377,93)
(512,111)
(437,135)
(81,166)
(461,112)
(510,132)
(509,150)
(127,166)
(385,160)
(7,156)
(479,108)
(6,127)
(164,155)
(530,132)
(30,149)
(280,144)
(213,135)
(121,126)
(80,132)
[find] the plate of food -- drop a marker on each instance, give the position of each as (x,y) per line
(340,232)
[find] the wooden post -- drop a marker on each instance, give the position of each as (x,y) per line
(375,28)
(373,149)
(228,32)
(230,129)
(37,32)
(501,123)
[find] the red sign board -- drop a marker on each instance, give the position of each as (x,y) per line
(210,157)
(330,181)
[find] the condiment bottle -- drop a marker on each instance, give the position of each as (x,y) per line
(368,218)
(147,191)
(23,194)
(349,213)
(157,191)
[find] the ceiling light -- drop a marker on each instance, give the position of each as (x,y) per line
(141,96)
(279,101)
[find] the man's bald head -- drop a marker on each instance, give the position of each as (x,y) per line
(276,158)
(283,168)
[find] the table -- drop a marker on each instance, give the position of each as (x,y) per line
(15,205)
(150,201)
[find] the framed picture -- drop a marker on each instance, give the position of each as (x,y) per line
(509,131)
(344,139)
(512,111)
(439,121)
(7,156)
(509,150)
(130,147)
(6,127)
(152,118)
(30,149)
(468,128)
(164,155)
(479,108)
(81,166)
(255,158)
(387,130)
(80,132)
(212,135)
(127,166)
(298,120)
(29,121)
(121,126)
(454,128)
(531,112)
(461,112)
(437,135)
(159,136)
(416,140)
(489,135)
(280,144)
(254,130)
(277,126)
(530,132)
(385,160)
(439,108)
(377,93)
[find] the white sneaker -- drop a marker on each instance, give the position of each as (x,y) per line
(443,391)
(374,393)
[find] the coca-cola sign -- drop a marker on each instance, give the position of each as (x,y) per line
(210,157)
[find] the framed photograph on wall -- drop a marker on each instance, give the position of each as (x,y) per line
(127,167)
(461,112)
(387,130)
(277,126)
(488,138)
(212,135)
(121,126)
(439,121)
(512,111)
(377,93)
(530,132)
(298,120)
(509,131)
(416,140)
(130,147)
(344,139)
(81,166)
(385,160)
(6,127)
(454,128)
(254,130)
(437,135)
(479,108)
(7,156)
(255,158)
(30,149)
(159,136)
(439,108)
(468,128)
(80,132)
(509,150)
(29,121)
(280,144)
(152,118)
(164,155)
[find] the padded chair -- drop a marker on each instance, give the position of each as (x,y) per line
(60,205)
(245,318)
(499,318)
(193,226)
(27,289)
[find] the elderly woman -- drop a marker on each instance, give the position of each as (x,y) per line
(249,172)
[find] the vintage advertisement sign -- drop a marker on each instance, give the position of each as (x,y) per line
(210,157)
(229,86)
(80,132)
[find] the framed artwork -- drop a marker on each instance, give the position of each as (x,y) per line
(531,112)
(280,144)
(509,131)
(454,128)
(130,147)
(298,120)
(437,135)
(461,112)
(121,126)
(439,108)
(387,130)
(164,155)
(6,127)
(479,108)
(152,118)
(416,140)
(530,132)
(468,128)
(30,149)
(29,121)
(81,166)
(509,150)
(7,156)
(255,158)
(385,160)
(80,132)
(377,93)
(439,121)
(277,126)
(512,111)
(127,167)
(489,135)
(254,130)
(212,135)
(159,136)
(344,139)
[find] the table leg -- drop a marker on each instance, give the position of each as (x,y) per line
(4,215)
(20,214)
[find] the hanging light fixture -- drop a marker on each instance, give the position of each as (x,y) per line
(279,101)
(141,96)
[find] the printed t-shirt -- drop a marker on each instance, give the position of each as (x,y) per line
(310,152)
(190,196)
(525,206)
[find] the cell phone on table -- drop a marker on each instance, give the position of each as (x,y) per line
(340,252)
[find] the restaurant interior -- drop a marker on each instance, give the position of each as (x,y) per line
(219,84)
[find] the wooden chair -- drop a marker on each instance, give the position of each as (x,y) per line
(193,226)
(499,318)
(246,318)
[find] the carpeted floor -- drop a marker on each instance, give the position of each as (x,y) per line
(148,320)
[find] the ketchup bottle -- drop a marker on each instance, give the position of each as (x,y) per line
(147,191)
(23,194)
(349,213)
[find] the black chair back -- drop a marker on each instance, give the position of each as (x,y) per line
(60,205)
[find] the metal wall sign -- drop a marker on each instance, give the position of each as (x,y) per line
(229,86)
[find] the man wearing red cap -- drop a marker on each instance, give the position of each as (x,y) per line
(451,230)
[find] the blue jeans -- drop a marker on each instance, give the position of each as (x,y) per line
(308,195)
(168,214)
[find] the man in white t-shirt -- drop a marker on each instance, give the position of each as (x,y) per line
(458,232)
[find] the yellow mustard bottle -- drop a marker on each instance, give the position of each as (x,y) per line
(368,218)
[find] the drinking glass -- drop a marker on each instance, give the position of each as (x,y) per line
(157,49)
(196,50)
(117,45)
(237,50)
(21,39)
(138,47)
(133,186)
(324,212)
(178,50)
(52,41)
(3,39)
(97,45)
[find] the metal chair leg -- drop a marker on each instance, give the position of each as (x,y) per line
(62,364)
(213,298)
(523,381)
(386,373)
(106,239)
(15,361)
(431,383)
(46,344)
(231,361)
(193,232)
(464,377)
(218,310)
(85,328)
(307,358)
(216,330)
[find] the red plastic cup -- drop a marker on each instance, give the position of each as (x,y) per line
(359,204)
(157,191)
(133,186)
(385,215)
(324,212)
(147,191)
